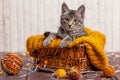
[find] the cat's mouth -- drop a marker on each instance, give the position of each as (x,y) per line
(69,28)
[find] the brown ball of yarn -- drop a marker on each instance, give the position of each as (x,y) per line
(74,73)
(108,71)
(11,63)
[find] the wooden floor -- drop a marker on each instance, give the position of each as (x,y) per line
(26,74)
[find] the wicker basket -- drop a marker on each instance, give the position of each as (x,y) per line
(62,57)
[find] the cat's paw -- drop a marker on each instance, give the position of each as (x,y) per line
(46,42)
(63,44)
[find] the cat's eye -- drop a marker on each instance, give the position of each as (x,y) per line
(75,20)
(66,19)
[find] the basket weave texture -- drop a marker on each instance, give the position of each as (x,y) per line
(62,57)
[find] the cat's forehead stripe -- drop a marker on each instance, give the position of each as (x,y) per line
(72,14)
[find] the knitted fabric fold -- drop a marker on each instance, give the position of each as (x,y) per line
(94,43)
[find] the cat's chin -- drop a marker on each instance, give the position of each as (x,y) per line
(69,29)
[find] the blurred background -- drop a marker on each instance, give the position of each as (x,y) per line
(20,19)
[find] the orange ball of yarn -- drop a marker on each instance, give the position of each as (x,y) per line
(11,63)
(108,71)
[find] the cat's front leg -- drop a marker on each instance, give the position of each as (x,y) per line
(65,41)
(48,40)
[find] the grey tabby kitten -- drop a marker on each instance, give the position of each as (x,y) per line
(72,26)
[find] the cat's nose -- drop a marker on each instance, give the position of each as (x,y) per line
(70,22)
(69,26)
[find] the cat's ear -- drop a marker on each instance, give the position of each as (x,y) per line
(64,8)
(81,11)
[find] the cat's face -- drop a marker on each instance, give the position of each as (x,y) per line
(72,19)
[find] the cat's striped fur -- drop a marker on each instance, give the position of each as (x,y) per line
(72,26)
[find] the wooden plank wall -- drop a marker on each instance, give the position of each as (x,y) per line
(22,18)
